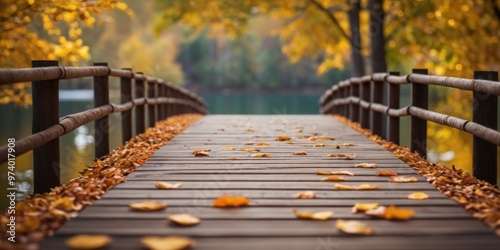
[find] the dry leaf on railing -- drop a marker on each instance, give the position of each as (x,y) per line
(353,227)
(333,178)
(84,241)
(184,219)
(324,215)
(165,185)
(418,196)
(231,201)
(403,179)
(148,206)
(342,156)
(366,165)
(306,195)
(386,173)
(166,243)
(361,207)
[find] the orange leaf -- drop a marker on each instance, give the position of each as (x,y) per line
(261,155)
(300,153)
(333,178)
(393,213)
(84,241)
(343,187)
(325,215)
(353,227)
(231,201)
(148,206)
(184,219)
(250,150)
(166,243)
(377,212)
(367,187)
(361,207)
(366,165)
(282,138)
(418,196)
(321,172)
(386,173)
(164,185)
(306,195)
(262,144)
(403,179)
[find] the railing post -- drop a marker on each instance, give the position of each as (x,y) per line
(419,98)
(365,96)
(347,92)
(101,126)
(126,116)
(46,160)
(377,96)
(485,113)
(354,115)
(140,115)
(393,128)
(151,106)
(161,107)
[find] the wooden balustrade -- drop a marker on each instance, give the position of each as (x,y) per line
(162,100)
(360,100)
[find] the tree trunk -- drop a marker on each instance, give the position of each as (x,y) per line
(357,66)
(377,37)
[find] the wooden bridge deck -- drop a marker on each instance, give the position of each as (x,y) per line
(271,184)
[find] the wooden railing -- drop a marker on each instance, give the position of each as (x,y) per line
(361,100)
(161,100)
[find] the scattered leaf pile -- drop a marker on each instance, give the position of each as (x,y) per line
(40,215)
(478,197)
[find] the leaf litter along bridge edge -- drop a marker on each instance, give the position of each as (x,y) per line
(269,222)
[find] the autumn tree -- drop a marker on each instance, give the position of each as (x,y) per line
(46,29)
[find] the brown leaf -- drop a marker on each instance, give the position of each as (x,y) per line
(202,154)
(300,153)
(394,213)
(325,215)
(84,241)
(184,219)
(196,151)
(333,178)
(403,179)
(166,243)
(306,195)
(366,165)
(386,173)
(342,156)
(261,155)
(148,206)
(319,145)
(165,185)
(353,227)
(262,144)
(361,207)
(418,196)
(282,138)
(231,201)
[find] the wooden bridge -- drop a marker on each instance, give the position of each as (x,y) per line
(272,183)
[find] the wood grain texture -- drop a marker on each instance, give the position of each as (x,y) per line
(271,184)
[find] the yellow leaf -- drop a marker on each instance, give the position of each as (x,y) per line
(361,207)
(166,243)
(342,156)
(386,173)
(366,165)
(306,195)
(148,206)
(261,155)
(263,144)
(353,227)
(418,196)
(333,178)
(325,215)
(250,150)
(393,213)
(367,187)
(184,219)
(343,187)
(229,148)
(84,241)
(403,179)
(300,153)
(231,201)
(282,138)
(165,185)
